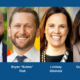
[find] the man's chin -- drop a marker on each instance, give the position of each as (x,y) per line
(22,47)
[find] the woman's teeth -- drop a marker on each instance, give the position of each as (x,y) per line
(56,37)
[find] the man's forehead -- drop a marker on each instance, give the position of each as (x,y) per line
(22,14)
(27,13)
(18,16)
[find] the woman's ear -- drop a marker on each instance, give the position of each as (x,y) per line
(9,30)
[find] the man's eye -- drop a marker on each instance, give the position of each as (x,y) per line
(0,24)
(17,26)
(28,26)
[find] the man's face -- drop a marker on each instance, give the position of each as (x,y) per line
(1,27)
(22,30)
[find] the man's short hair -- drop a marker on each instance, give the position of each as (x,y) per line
(27,10)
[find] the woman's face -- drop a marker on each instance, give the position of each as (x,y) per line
(56,29)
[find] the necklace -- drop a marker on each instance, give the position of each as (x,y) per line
(64,58)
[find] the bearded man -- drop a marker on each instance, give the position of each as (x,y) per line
(23,29)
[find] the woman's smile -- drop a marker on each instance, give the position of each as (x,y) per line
(57,38)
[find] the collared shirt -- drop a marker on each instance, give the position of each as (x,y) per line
(32,56)
(1,57)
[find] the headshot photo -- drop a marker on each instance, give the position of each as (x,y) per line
(3,34)
(76,31)
(23,29)
(56,35)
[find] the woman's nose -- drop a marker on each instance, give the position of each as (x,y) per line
(56,29)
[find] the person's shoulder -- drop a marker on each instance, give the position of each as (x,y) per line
(37,55)
(74,46)
(36,51)
(10,57)
(4,44)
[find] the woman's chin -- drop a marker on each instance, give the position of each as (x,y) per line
(56,45)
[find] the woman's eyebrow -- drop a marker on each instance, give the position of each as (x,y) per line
(51,24)
(54,24)
(63,24)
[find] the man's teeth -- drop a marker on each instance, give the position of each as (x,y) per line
(55,37)
(21,38)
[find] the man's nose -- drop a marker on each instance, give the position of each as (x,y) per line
(22,30)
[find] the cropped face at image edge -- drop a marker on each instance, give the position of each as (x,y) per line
(1,27)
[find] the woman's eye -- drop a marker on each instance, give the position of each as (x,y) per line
(62,26)
(51,25)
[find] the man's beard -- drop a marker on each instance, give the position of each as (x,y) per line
(28,44)
(1,37)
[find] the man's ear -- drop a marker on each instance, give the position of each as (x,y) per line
(38,32)
(9,30)
(3,28)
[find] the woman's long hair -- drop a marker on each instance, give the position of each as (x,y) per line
(49,12)
(76,27)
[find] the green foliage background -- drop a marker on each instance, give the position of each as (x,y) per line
(4,12)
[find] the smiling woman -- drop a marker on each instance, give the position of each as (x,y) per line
(56,32)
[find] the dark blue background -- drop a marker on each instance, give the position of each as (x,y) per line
(39,3)
(40,71)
